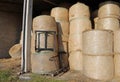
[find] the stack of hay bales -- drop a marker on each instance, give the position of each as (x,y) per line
(98,62)
(79,21)
(44,61)
(117,52)
(61,16)
(108,13)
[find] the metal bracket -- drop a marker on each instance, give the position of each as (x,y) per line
(37,40)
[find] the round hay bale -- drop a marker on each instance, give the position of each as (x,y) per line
(95,22)
(98,67)
(50,41)
(63,38)
(60,13)
(117,64)
(108,24)
(79,25)
(98,42)
(117,41)
(75,42)
(15,51)
(44,62)
(63,27)
(109,9)
(44,23)
(79,10)
(33,43)
(76,61)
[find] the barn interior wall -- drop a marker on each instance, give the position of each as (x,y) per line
(10,28)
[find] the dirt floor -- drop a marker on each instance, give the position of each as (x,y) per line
(70,76)
(12,64)
(75,76)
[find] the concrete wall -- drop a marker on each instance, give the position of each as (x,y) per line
(10,29)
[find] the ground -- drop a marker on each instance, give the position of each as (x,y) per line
(12,65)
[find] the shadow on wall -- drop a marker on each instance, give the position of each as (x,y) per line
(10,29)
